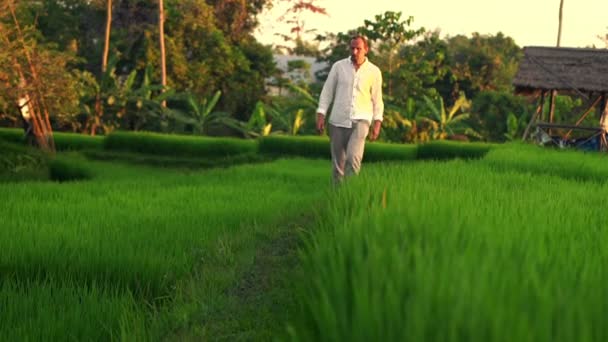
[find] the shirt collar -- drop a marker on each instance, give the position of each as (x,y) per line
(353,64)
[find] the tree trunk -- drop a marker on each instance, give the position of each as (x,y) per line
(31,90)
(104,67)
(559,39)
(559,28)
(161,28)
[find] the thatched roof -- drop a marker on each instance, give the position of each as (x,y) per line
(552,68)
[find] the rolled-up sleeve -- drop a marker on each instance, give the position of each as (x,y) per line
(377,101)
(329,88)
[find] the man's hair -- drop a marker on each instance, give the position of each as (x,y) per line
(362,37)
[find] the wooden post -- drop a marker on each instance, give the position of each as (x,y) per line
(552,108)
(603,122)
(539,110)
(578,122)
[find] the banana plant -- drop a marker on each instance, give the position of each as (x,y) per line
(258,124)
(201,114)
(292,116)
(444,122)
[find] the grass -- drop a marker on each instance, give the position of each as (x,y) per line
(148,250)
(63,141)
(21,163)
(457,252)
(569,164)
(177,145)
(507,247)
(176,162)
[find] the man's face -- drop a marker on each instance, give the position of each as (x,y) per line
(358,50)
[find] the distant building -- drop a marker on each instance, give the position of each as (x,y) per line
(295,69)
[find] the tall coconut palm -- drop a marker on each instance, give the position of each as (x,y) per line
(106,46)
(559,39)
(104,67)
(559,28)
(161,28)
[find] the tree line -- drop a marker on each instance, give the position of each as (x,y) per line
(94,66)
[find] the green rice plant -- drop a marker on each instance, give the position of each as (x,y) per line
(77,142)
(290,146)
(318,147)
(142,249)
(177,145)
(379,152)
(443,149)
(570,164)
(63,141)
(59,309)
(19,163)
(64,168)
(14,135)
(175,162)
(456,252)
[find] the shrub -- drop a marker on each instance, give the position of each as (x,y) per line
(304,146)
(63,168)
(18,162)
(63,141)
(177,145)
(378,152)
(441,149)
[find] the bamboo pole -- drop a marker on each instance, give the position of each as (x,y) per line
(584,115)
(603,122)
(552,107)
(539,110)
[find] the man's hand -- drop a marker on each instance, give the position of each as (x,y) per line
(375,130)
(320,123)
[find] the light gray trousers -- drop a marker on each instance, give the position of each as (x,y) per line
(347,145)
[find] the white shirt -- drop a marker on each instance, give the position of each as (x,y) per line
(356,94)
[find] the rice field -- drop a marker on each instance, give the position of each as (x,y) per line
(114,258)
(504,248)
(500,249)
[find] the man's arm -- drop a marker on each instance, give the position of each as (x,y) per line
(326,97)
(378,107)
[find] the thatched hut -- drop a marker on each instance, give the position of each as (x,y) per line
(575,71)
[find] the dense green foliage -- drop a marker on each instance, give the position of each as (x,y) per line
(492,110)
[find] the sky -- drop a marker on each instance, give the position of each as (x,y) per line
(528,22)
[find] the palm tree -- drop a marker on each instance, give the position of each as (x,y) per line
(559,39)
(161,28)
(106,47)
(559,28)
(104,67)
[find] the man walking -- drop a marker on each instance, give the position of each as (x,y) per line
(354,85)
